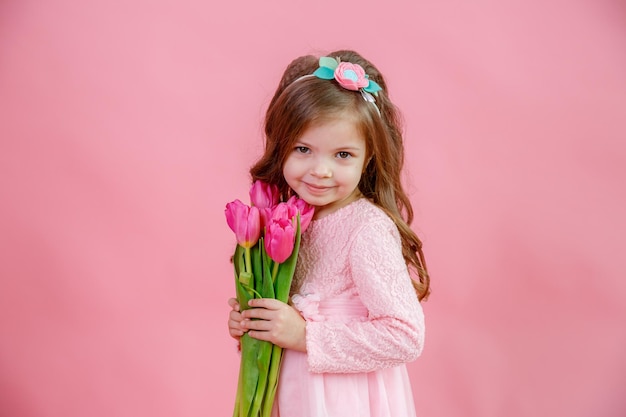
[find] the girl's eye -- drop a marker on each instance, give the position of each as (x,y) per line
(343,155)
(302,149)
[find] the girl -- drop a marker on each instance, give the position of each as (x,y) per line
(333,138)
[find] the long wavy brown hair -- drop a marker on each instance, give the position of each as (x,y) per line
(298,105)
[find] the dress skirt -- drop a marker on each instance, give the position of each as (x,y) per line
(380,393)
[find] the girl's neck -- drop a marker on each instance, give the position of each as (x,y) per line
(323,211)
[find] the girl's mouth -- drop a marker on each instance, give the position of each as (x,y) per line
(316,189)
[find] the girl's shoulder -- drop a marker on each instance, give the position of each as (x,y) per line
(372,218)
(368,213)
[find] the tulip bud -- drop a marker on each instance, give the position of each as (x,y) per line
(245,221)
(280,237)
(264,195)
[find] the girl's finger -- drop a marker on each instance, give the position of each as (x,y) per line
(236,332)
(234,323)
(258,325)
(234,315)
(257,313)
(268,303)
(232,302)
(259,335)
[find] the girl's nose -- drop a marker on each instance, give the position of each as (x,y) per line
(321,169)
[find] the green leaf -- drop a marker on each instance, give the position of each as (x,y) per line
(251,290)
(272,380)
(248,373)
(244,280)
(264,356)
(238,261)
(267,262)
(267,289)
(257,268)
(329,62)
(372,87)
(324,73)
(243,295)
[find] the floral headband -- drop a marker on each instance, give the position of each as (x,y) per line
(348,75)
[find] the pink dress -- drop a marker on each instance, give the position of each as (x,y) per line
(363,320)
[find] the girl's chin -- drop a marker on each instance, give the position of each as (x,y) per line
(315,202)
(316,196)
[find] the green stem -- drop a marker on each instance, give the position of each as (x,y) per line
(275,271)
(248,260)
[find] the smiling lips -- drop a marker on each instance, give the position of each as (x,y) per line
(316,189)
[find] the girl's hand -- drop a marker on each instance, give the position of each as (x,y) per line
(234,319)
(276,322)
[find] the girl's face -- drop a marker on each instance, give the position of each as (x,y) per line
(324,167)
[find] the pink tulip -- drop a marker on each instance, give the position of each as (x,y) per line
(264,195)
(266,216)
(280,237)
(245,221)
(284,211)
(306,211)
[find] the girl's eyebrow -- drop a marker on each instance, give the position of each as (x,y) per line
(349,147)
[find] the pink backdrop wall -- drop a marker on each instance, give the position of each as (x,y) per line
(125,126)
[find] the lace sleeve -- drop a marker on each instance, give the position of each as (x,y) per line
(393,332)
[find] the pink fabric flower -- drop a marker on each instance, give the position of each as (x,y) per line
(351,76)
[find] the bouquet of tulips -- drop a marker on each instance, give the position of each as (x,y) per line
(268,238)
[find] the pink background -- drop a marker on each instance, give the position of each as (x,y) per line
(125,127)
